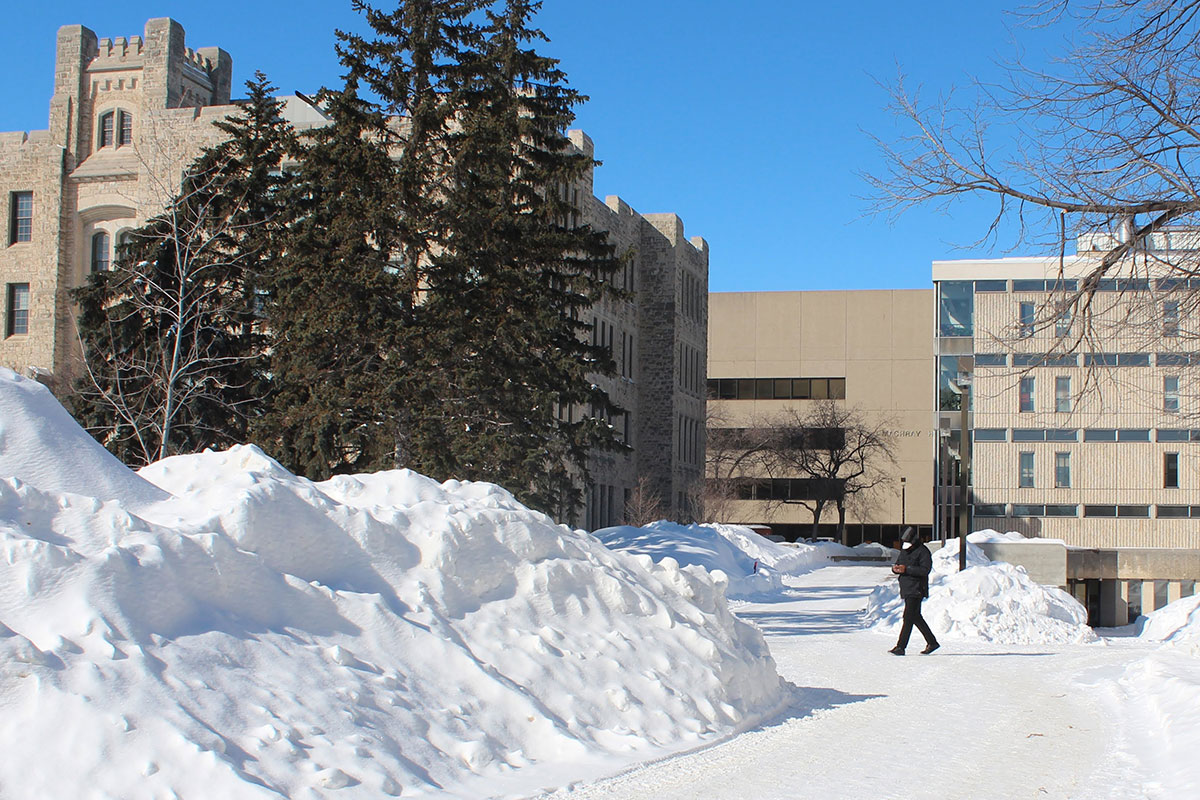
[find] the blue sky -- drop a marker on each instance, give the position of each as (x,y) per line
(746,118)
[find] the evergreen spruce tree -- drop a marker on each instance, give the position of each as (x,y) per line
(509,289)
(172,336)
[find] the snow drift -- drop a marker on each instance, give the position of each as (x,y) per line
(221,623)
(989,601)
(752,563)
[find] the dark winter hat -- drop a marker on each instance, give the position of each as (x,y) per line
(909,535)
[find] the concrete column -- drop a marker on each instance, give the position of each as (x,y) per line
(1148,604)
(1174,591)
(1114,611)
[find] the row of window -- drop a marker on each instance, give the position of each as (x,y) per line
(1062,470)
(16,309)
(785,489)
(1110,511)
(1026,395)
(1089,359)
(1089,435)
(777,388)
(1071,285)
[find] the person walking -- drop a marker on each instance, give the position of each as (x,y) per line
(912,567)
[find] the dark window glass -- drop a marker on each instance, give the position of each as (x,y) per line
(1099,435)
(956,308)
(1133,360)
(1100,359)
(106,129)
(990,510)
(820,389)
(1024,472)
(1062,511)
(1020,510)
(1133,435)
(991,360)
(21,223)
(783,388)
(1172,436)
(1070,360)
(18,309)
(745,390)
(100,257)
(125,132)
(801,388)
(1029,286)
(1171,512)
(1062,435)
(990,435)
(991,286)
(714,389)
(1106,285)
(1172,359)
(1026,394)
(837,388)
(1025,317)
(1171,284)
(1028,359)
(1170,470)
(764,388)
(1133,511)
(1029,435)
(1099,511)
(1062,286)
(1170,318)
(729,388)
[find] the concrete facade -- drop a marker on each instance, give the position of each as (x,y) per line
(159,99)
(1092,445)
(878,342)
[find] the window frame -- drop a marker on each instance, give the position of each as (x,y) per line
(16,317)
(1026,466)
(1026,395)
(1062,394)
(106,129)
(1026,318)
(20,217)
(1171,394)
(1170,470)
(101,252)
(1062,470)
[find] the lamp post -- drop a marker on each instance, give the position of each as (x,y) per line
(902,483)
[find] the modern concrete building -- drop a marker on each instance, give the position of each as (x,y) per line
(127,116)
(1082,426)
(773,351)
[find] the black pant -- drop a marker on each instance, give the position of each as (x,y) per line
(912,616)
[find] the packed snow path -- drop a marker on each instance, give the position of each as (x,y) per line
(972,720)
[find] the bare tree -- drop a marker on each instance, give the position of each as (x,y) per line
(732,455)
(838,452)
(645,505)
(1099,148)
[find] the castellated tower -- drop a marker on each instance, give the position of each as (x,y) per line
(127,115)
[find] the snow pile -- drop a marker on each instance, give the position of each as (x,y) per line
(989,601)
(44,447)
(260,635)
(1176,623)
(753,564)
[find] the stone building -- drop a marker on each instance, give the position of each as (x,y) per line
(129,114)
(773,351)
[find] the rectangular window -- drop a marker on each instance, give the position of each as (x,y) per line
(1062,511)
(1025,319)
(1022,510)
(1062,393)
(1170,470)
(1029,434)
(1062,435)
(956,308)
(991,360)
(991,286)
(18,310)
(1100,511)
(990,435)
(820,389)
(1170,318)
(1062,470)
(837,388)
(1133,435)
(125,128)
(20,228)
(1171,512)
(1133,511)
(1027,388)
(1167,435)
(1099,435)
(1025,471)
(1062,325)
(1171,393)
(990,510)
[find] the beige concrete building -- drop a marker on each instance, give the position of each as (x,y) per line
(868,348)
(128,115)
(1092,443)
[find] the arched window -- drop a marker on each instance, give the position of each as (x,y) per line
(100,252)
(116,128)
(106,129)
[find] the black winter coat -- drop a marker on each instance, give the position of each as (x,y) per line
(918,563)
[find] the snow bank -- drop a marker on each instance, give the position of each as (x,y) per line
(753,564)
(259,635)
(43,446)
(1176,624)
(989,601)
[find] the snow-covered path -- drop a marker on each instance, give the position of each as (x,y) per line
(973,720)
